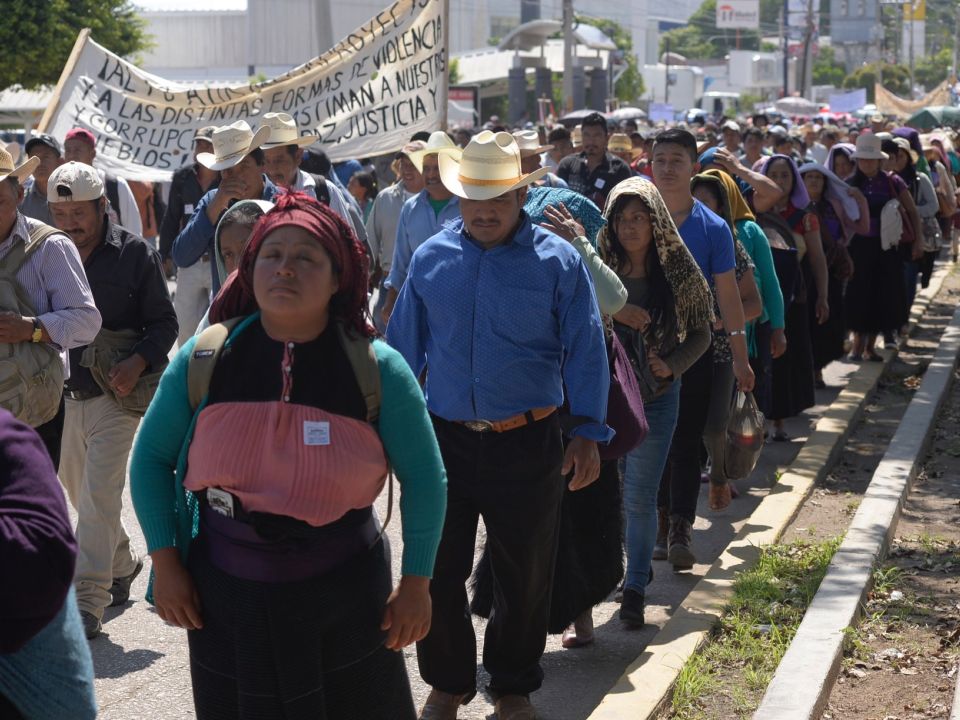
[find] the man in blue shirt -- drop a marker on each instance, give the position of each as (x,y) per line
(422,216)
(239,159)
(505,316)
(710,242)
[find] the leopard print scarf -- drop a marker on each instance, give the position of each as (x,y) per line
(692,297)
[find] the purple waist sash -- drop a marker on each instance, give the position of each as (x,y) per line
(236,548)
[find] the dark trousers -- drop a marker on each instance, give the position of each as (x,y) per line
(680,483)
(513,481)
(51,432)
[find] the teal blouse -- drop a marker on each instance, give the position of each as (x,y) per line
(168,513)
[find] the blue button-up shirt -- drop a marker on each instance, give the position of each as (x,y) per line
(503,330)
(197,237)
(417,223)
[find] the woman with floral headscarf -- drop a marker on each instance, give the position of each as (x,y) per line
(793,373)
(256,503)
(665,326)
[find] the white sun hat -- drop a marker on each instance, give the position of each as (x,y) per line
(231,144)
(438,144)
(284,131)
(489,167)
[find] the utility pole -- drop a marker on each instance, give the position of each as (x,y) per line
(807,40)
(666,65)
(910,30)
(785,44)
(568,55)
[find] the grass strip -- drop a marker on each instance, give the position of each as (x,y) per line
(729,674)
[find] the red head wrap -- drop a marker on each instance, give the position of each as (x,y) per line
(349,260)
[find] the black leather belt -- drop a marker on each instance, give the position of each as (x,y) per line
(81,394)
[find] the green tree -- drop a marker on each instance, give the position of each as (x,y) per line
(932,69)
(454,76)
(629,86)
(826,70)
(36,36)
(896,79)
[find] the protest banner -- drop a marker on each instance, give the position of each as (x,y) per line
(890,104)
(365,96)
(848,102)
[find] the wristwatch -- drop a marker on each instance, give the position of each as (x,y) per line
(37,335)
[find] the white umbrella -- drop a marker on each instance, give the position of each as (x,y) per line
(796,106)
(626,113)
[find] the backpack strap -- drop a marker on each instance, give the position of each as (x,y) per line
(322,189)
(363,360)
(203,360)
(112,187)
(20,253)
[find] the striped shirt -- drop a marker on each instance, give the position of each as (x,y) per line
(54,281)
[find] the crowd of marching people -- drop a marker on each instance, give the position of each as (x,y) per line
(543,328)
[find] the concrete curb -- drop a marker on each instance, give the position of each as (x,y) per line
(803,680)
(955,710)
(646,684)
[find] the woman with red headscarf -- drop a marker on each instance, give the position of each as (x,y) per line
(269,483)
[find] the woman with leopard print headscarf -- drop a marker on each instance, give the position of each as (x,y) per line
(665,327)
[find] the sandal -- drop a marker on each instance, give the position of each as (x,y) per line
(873,357)
(781,436)
(854,357)
(580,633)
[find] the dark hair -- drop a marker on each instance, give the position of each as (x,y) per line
(258,157)
(368,182)
(422,135)
(315,162)
(752,132)
(558,134)
(594,120)
(678,136)
(661,294)
(718,195)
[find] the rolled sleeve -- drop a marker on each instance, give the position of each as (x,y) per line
(586,370)
(73,319)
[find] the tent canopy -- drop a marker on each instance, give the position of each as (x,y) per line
(934,117)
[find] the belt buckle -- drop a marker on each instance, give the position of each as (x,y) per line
(479,425)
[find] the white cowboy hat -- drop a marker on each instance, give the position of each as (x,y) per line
(231,144)
(15,150)
(284,131)
(488,168)
(529,143)
(438,144)
(868,148)
(9,169)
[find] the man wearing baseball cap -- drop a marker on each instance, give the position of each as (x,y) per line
(189,184)
(51,277)
(504,314)
(730,131)
(47,149)
(80,145)
(107,392)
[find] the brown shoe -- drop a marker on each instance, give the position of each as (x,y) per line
(442,706)
(515,707)
(679,553)
(720,495)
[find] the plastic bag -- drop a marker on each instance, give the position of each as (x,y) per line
(744,437)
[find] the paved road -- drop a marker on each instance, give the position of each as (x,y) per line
(142,665)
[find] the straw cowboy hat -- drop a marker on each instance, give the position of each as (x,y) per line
(284,131)
(15,150)
(904,144)
(9,169)
(869,148)
(529,143)
(488,168)
(231,144)
(621,143)
(438,144)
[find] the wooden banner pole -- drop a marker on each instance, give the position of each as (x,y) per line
(445,90)
(71,63)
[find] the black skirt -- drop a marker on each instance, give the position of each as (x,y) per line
(793,374)
(827,338)
(875,294)
(589,555)
(306,649)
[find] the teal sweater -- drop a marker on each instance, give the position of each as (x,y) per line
(758,247)
(168,514)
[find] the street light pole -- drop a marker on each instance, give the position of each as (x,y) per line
(568,55)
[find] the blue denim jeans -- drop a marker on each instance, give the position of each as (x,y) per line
(643,468)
